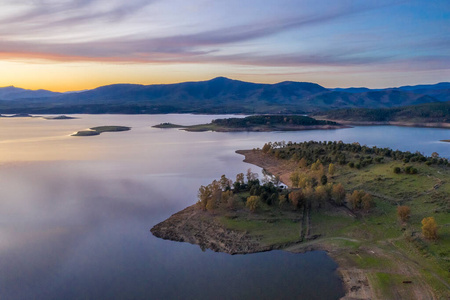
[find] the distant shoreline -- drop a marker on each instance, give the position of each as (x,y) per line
(388,123)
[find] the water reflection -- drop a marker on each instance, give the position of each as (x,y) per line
(75,213)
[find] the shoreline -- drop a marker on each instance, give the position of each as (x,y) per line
(389,123)
(201,228)
(269,129)
(209,127)
(361,260)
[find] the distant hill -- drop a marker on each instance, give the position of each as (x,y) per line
(219,95)
(438,112)
(439,91)
(12,93)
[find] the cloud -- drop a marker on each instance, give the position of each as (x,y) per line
(190,45)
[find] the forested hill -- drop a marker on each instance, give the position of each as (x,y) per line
(438,112)
(219,95)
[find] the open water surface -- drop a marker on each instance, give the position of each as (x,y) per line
(75,212)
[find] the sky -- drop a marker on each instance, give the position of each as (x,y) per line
(82,44)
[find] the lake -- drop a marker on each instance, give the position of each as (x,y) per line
(75,212)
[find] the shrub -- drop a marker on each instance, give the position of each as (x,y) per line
(403,212)
(429,228)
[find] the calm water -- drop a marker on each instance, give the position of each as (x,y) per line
(75,212)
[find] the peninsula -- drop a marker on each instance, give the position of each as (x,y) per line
(260,123)
(382,215)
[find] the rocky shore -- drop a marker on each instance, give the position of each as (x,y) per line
(195,226)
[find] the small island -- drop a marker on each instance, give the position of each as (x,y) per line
(259,123)
(23,115)
(61,117)
(381,214)
(100,129)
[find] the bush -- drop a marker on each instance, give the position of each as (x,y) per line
(429,228)
(403,212)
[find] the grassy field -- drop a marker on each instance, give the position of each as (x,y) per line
(397,260)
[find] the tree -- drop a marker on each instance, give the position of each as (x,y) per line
(338,194)
(331,169)
(317,167)
(295,178)
(297,198)
(267,147)
(252,203)
(226,195)
(231,202)
(403,212)
(204,194)
(367,202)
(429,228)
(211,205)
(251,176)
(225,183)
(216,190)
(310,195)
(321,195)
(281,199)
(240,178)
(302,163)
(355,199)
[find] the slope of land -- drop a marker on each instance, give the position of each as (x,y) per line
(219,95)
(380,256)
(259,123)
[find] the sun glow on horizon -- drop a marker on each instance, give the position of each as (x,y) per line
(77,45)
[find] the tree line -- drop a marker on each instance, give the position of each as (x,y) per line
(352,154)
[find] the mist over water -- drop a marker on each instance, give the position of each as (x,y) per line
(75,212)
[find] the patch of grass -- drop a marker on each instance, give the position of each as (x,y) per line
(365,261)
(331,225)
(385,284)
(271,233)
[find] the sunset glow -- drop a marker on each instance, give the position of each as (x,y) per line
(76,45)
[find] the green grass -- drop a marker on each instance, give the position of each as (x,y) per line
(279,232)
(385,283)
(375,241)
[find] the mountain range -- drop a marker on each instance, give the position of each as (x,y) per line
(219,95)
